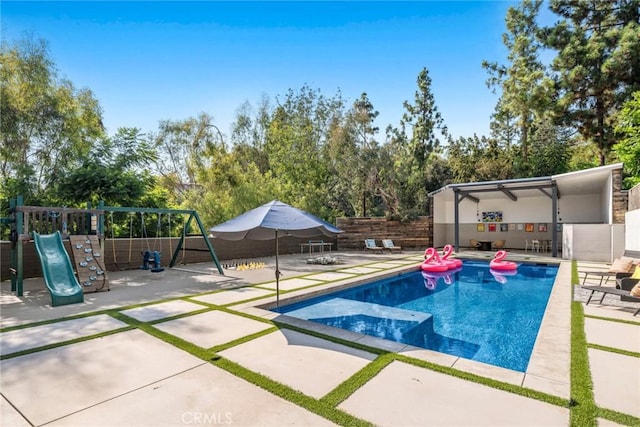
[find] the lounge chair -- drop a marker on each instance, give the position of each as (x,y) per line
(370,245)
(499,244)
(620,265)
(627,281)
(474,243)
(388,244)
(624,294)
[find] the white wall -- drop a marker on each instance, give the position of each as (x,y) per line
(593,242)
(632,230)
(573,209)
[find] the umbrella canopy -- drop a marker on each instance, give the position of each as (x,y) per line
(270,221)
(260,223)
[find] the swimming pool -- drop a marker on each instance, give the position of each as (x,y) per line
(475,313)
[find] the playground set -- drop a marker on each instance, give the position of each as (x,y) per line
(67,281)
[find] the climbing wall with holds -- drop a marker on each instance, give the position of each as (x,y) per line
(89,263)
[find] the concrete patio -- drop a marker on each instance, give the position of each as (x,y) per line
(118,372)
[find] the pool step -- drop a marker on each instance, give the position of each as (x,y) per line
(368,318)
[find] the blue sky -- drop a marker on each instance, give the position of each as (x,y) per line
(151,61)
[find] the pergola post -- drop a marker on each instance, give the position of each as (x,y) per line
(456,220)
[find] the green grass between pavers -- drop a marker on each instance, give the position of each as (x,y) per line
(619,417)
(614,350)
(357,380)
(583,408)
(584,411)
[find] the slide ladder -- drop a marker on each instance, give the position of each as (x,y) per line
(57,270)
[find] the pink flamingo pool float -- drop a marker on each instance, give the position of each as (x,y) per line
(448,250)
(498,262)
(433,262)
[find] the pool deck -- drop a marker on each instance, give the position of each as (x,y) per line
(104,362)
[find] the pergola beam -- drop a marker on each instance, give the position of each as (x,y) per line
(466,195)
(508,193)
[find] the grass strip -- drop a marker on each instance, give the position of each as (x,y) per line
(619,417)
(199,352)
(242,340)
(614,350)
(180,316)
(583,408)
(357,380)
(296,397)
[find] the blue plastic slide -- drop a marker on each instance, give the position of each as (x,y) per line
(57,270)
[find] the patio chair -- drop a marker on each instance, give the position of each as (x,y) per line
(499,244)
(474,243)
(370,245)
(388,244)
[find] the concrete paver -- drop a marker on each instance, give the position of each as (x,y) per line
(359,270)
(66,330)
(289,284)
(331,276)
(205,395)
(9,417)
(232,296)
(613,334)
(405,395)
(616,381)
(309,364)
(67,379)
(212,328)
(162,310)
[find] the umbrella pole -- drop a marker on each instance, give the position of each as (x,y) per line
(277,275)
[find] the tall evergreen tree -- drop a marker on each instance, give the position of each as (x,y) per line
(597,66)
(525,89)
(415,144)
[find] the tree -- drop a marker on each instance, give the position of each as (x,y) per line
(479,159)
(550,149)
(249,133)
(47,125)
(412,146)
(525,90)
(180,145)
(115,171)
(597,66)
(628,148)
(298,131)
(364,167)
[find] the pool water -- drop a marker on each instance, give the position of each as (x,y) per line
(474,313)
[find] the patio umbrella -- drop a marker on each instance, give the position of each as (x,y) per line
(270,221)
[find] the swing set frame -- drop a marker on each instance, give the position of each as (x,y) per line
(20,232)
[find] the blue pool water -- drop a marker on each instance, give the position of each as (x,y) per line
(474,313)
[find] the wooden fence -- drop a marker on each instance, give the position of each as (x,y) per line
(416,234)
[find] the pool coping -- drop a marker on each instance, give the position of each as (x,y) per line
(549,367)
